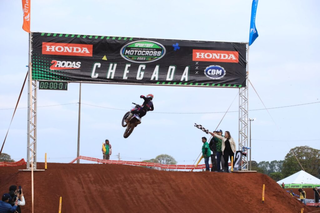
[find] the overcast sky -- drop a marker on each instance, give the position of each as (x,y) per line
(284,68)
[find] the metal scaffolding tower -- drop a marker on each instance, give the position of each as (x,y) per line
(32,116)
(243,125)
(244,120)
(32,123)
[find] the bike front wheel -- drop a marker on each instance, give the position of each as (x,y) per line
(123,122)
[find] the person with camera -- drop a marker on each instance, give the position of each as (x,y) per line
(5,206)
(17,196)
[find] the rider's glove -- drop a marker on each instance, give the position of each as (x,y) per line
(141,96)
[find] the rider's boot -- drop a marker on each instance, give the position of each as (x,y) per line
(138,119)
(137,122)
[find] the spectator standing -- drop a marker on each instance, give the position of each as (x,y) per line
(228,147)
(215,146)
(316,194)
(303,196)
(106,149)
(206,152)
(5,206)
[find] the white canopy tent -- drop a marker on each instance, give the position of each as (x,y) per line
(300,179)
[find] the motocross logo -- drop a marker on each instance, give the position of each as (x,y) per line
(215,56)
(143,51)
(50,48)
(215,72)
(65,65)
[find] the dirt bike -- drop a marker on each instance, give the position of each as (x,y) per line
(131,120)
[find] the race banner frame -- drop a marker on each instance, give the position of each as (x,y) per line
(141,61)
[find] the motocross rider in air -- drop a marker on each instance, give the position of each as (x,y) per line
(146,106)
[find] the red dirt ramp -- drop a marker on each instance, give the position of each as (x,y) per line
(118,188)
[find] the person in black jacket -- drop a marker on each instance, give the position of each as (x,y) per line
(215,146)
(212,146)
(316,194)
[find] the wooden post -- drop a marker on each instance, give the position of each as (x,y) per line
(32,187)
(60,204)
(231,163)
(263,189)
(45,161)
(197,163)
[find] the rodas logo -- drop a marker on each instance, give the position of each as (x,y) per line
(64,65)
(215,72)
(143,51)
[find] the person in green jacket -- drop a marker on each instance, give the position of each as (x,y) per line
(206,152)
(106,150)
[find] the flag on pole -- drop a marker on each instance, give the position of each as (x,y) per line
(26,15)
(253,30)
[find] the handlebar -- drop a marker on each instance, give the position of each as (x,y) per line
(136,104)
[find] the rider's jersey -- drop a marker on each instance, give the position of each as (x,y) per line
(147,104)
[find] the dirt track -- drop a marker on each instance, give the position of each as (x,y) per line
(117,188)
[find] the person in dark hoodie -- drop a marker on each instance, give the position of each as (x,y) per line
(215,146)
(316,194)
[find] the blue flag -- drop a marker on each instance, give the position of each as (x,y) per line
(253,30)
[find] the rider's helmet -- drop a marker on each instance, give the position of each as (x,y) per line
(150,96)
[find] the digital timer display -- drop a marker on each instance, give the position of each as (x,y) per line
(53,85)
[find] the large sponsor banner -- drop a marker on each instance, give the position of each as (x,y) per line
(123,60)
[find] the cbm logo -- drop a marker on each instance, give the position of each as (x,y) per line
(215,72)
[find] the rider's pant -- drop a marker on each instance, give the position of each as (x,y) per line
(140,112)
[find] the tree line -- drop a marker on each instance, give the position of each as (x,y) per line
(299,158)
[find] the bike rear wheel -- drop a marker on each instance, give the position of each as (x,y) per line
(123,122)
(129,130)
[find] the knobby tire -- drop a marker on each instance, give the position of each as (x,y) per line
(123,122)
(129,130)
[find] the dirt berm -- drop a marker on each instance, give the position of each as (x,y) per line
(117,188)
